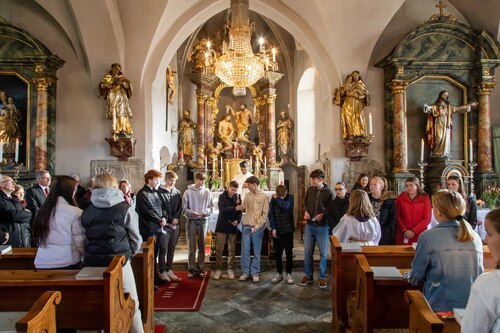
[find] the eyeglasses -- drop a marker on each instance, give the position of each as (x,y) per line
(340,189)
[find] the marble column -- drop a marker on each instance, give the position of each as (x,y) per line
(400,148)
(200,130)
(42,84)
(271,129)
(260,103)
(484,156)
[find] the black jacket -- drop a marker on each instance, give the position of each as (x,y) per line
(149,217)
(35,199)
(105,234)
(227,214)
(337,209)
(172,203)
(387,218)
(471,212)
(15,220)
(281,214)
(317,202)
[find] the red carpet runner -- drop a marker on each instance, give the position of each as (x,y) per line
(186,295)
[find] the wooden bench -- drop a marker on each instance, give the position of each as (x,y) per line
(344,272)
(86,304)
(142,265)
(40,318)
(423,319)
(378,303)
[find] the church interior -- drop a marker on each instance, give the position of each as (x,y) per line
(348,87)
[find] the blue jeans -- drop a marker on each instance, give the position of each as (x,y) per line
(313,235)
(256,239)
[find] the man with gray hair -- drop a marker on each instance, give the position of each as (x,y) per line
(36,195)
(80,190)
(14,219)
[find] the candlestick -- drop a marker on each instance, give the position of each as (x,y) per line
(422,150)
(370,124)
(16,156)
(251,164)
(471,158)
(206,163)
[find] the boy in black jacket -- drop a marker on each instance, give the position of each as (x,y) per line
(229,216)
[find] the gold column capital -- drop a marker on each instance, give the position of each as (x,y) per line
(43,83)
(485,88)
(270,99)
(398,86)
(201,98)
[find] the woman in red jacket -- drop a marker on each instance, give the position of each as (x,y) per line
(413,212)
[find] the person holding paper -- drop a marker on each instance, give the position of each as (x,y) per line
(483,307)
(172,203)
(359,224)
(230,214)
(448,257)
(413,212)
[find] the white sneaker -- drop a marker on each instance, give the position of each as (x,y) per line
(172,276)
(243,277)
(289,279)
(255,278)
(164,276)
(277,278)
(230,274)
(217,274)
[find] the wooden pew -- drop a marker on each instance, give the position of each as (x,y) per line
(142,265)
(379,303)
(344,272)
(423,319)
(40,318)
(87,304)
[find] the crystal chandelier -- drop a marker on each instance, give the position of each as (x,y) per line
(238,66)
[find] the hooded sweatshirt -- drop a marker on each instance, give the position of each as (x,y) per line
(111,228)
(196,201)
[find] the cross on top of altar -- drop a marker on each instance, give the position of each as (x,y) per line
(441,7)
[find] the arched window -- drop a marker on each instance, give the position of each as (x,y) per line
(306,119)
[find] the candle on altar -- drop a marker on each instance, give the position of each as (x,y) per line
(471,156)
(1,151)
(208,46)
(265,162)
(206,59)
(221,164)
(16,156)
(181,154)
(422,150)
(370,124)
(261,44)
(274,54)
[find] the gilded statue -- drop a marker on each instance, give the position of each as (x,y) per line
(213,153)
(352,97)
(197,56)
(258,155)
(225,132)
(9,119)
(186,134)
(171,84)
(116,90)
(244,118)
(440,122)
(284,135)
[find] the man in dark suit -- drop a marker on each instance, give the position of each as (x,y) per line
(36,195)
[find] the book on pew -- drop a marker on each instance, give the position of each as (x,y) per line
(414,245)
(5,248)
(351,247)
(391,273)
(458,314)
(91,273)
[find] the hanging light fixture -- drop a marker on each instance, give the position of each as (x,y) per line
(238,66)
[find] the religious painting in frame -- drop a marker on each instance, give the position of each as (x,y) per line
(15,117)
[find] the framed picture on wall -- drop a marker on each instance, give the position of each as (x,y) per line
(14,117)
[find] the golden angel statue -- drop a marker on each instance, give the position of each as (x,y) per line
(186,134)
(116,90)
(440,123)
(352,97)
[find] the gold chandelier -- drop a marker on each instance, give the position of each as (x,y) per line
(238,66)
